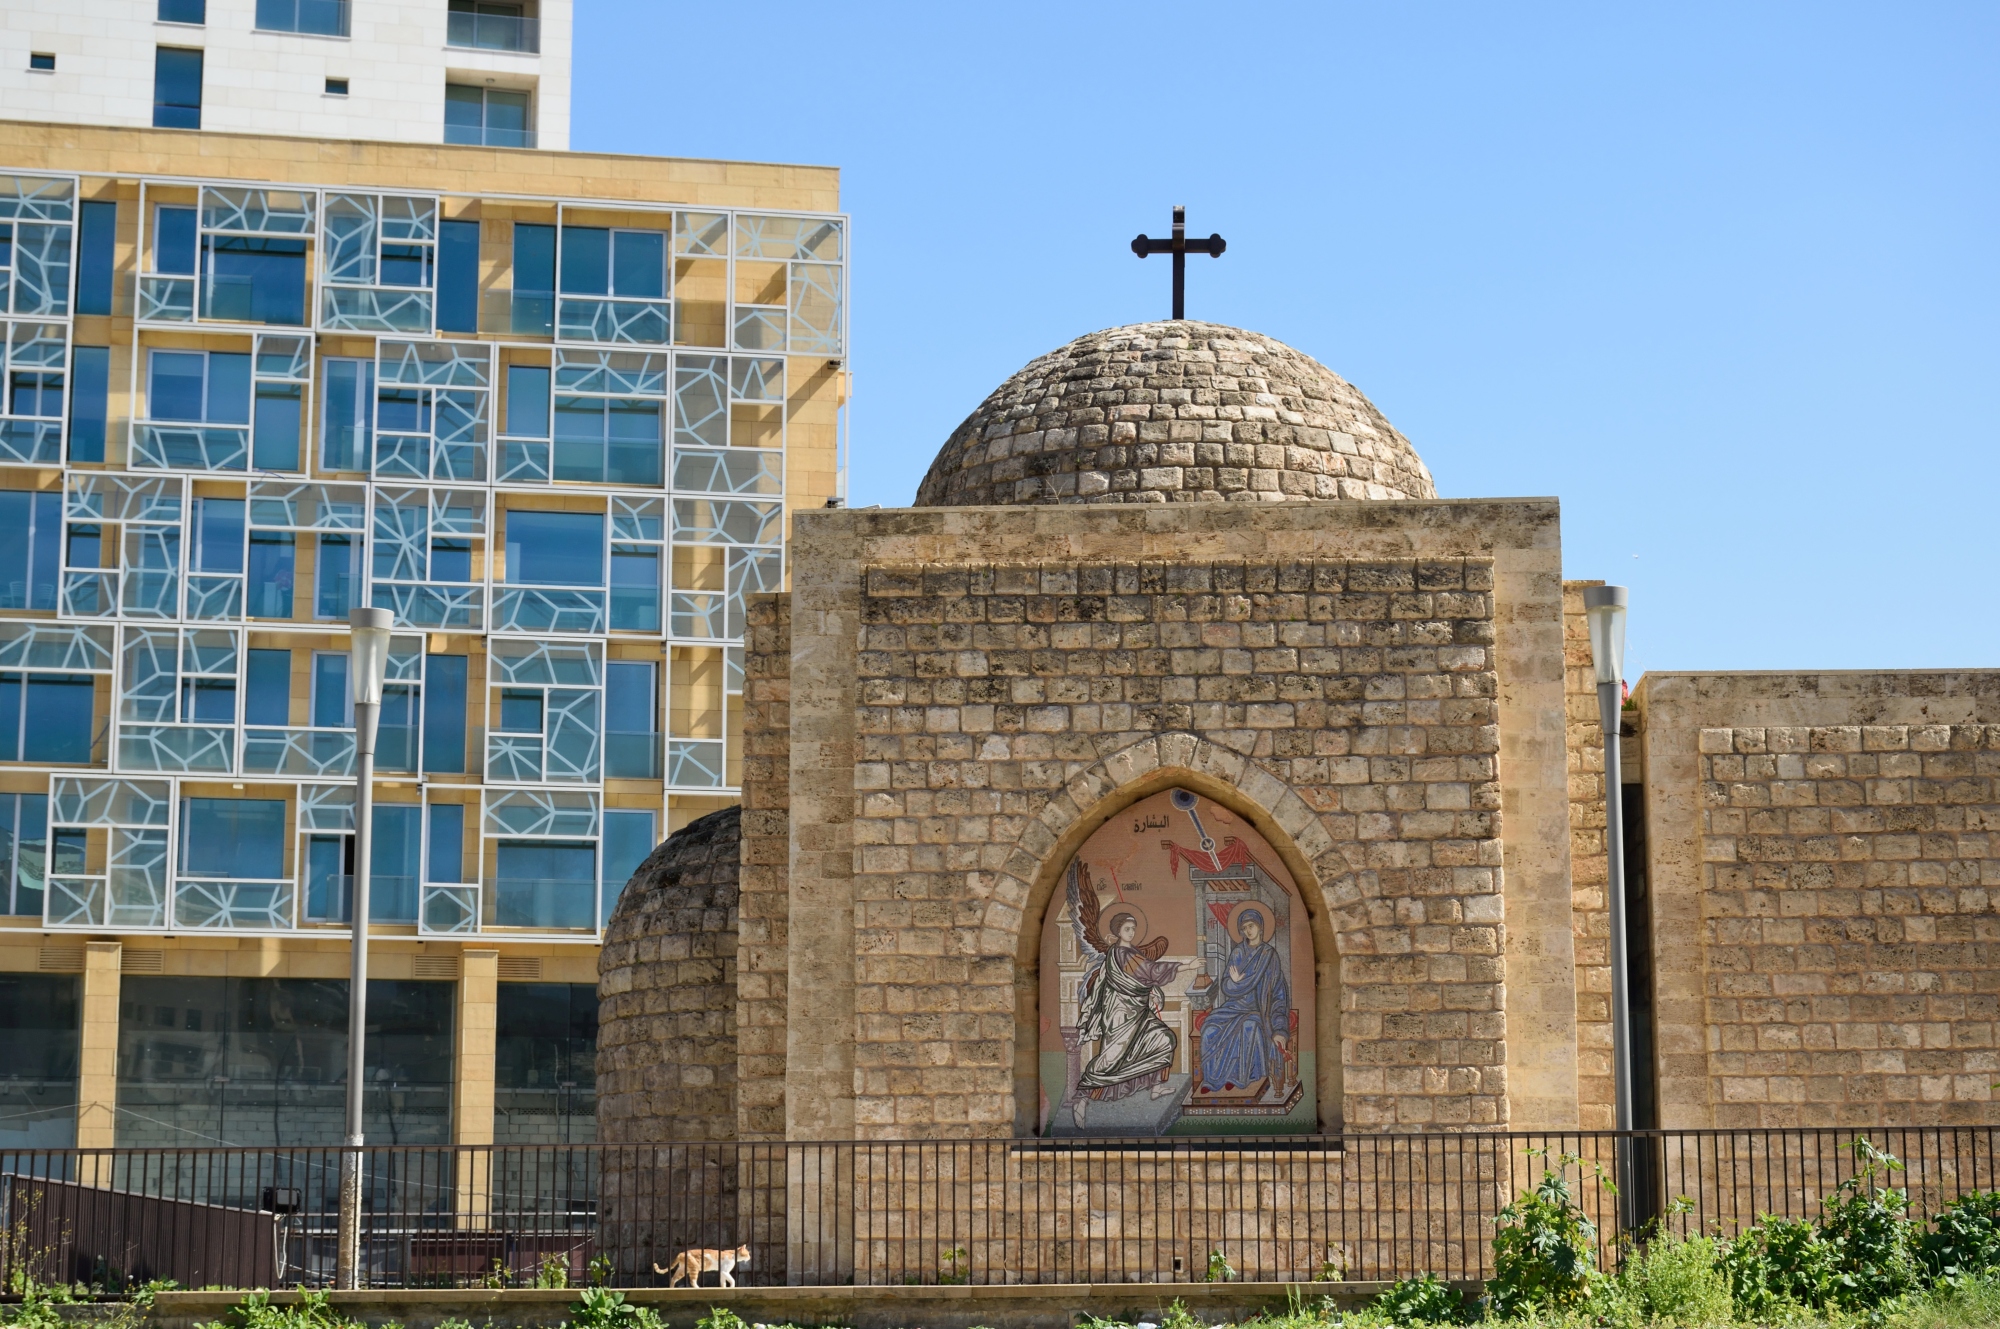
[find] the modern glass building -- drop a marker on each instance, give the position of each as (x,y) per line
(553,411)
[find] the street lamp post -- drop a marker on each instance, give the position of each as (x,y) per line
(1604,609)
(367,668)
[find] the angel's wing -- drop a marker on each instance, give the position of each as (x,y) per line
(1083,909)
(1155,948)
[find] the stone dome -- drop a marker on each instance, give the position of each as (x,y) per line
(1173,412)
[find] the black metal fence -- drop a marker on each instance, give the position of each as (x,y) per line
(1294,1209)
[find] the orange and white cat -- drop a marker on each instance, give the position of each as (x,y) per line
(692,1264)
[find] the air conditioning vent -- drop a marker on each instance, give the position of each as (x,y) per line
(142,962)
(62,959)
(435,966)
(520,968)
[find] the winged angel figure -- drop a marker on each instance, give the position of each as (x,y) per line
(1119,1003)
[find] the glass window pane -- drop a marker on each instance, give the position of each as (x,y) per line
(544,1067)
(228,388)
(555,548)
(329,877)
(507,119)
(176,88)
(336,577)
(218,540)
(635,589)
(269,580)
(47,533)
(344,432)
(183,11)
(465,116)
(521,711)
(332,706)
(41,1041)
(393,863)
(458,277)
(629,696)
(89,401)
(56,720)
(11,688)
(640,271)
(275,436)
(237,838)
(30,544)
(174,234)
(543,885)
(324,18)
(209,700)
(451,560)
(254,280)
(586,255)
(444,713)
(267,682)
(528,401)
(31,848)
(628,839)
(447,843)
(96,253)
(176,389)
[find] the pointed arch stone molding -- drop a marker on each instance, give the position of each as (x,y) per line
(1090,798)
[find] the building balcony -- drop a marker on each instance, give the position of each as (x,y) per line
(493,32)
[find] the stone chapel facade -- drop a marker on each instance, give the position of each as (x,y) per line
(1179,556)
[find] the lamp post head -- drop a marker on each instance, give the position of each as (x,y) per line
(1604,608)
(368,654)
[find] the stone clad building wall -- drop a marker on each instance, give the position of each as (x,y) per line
(1824,852)
(1377,686)
(764,906)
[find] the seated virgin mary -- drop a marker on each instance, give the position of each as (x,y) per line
(1243,1040)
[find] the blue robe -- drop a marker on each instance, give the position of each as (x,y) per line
(1236,1046)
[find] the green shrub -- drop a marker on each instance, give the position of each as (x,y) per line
(1964,1239)
(1220,1270)
(1678,1280)
(601,1308)
(1868,1225)
(1545,1253)
(313,1310)
(1426,1299)
(1777,1264)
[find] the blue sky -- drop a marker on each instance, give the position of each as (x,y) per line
(1721,277)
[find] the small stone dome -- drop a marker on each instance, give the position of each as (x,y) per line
(666,991)
(1173,412)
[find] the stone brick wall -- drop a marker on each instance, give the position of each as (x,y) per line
(666,1042)
(763,903)
(1849,879)
(1354,702)
(1589,872)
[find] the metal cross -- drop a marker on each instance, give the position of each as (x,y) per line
(1180,246)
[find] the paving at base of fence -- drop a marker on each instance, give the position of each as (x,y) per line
(1042,1306)
(889,1215)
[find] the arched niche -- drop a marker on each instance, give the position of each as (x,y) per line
(1201,902)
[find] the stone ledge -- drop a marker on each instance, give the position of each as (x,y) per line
(1013,1306)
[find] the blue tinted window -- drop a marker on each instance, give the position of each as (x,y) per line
(178,385)
(451,560)
(174,235)
(639,265)
(545,885)
(635,588)
(218,540)
(458,277)
(89,401)
(267,682)
(208,700)
(444,713)
(447,847)
(12,688)
(237,838)
(30,545)
(322,18)
(228,388)
(176,88)
(251,279)
(348,426)
(183,11)
(528,401)
(555,548)
(86,546)
(55,719)
(96,253)
(521,711)
(269,582)
(396,731)
(393,863)
(329,876)
(275,433)
(464,114)
(29,833)
(534,267)
(336,577)
(332,707)
(586,260)
(628,838)
(407,265)
(629,696)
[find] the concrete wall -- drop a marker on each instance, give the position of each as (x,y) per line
(1823,861)
(394,58)
(972,691)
